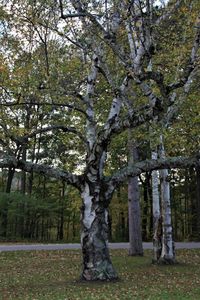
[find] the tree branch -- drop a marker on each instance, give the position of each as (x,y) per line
(55,104)
(149,165)
(9,161)
(169,12)
(54,127)
(73,15)
(24,139)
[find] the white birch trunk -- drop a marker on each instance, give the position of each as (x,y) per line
(168,250)
(157,243)
(97,264)
(90,125)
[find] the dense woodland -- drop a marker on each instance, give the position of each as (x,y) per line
(52,211)
(100,100)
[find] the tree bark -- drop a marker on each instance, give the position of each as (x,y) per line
(145,208)
(135,230)
(157,232)
(168,249)
(198,201)
(97,264)
(11,172)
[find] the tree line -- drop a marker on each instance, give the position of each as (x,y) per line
(52,212)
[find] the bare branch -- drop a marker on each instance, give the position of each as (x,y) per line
(149,165)
(72,179)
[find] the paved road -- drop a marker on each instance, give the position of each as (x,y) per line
(24,247)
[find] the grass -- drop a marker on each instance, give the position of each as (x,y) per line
(54,275)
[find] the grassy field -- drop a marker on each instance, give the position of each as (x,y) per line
(54,275)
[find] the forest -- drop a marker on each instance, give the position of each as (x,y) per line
(99,125)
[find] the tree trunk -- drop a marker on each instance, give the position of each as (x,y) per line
(109,226)
(97,264)
(11,172)
(61,221)
(30,183)
(134,213)
(168,249)
(4,224)
(135,232)
(157,232)
(193,206)
(145,209)
(198,201)
(73,225)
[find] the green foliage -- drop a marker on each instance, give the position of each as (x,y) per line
(38,217)
(184,137)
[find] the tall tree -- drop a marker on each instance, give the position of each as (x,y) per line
(157,222)
(168,250)
(134,212)
(113,43)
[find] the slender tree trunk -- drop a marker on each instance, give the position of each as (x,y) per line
(73,225)
(122,227)
(186,210)
(11,172)
(68,227)
(198,201)
(4,224)
(23,182)
(168,249)
(97,264)
(157,232)
(30,183)
(193,204)
(134,212)
(109,226)
(145,209)
(150,210)
(135,232)
(61,221)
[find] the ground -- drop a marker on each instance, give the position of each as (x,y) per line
(45,275)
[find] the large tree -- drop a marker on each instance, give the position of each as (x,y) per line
(113,42)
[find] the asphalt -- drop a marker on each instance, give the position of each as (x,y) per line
(31,247)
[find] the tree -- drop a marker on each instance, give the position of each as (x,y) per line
(115,43)
(134,213)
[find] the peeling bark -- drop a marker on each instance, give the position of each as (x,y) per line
(168,249)
(97,264)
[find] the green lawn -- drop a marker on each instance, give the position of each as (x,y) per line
(54,275)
